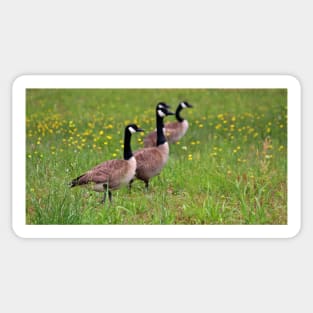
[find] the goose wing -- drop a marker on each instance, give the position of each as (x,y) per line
(149,162)
(109,172)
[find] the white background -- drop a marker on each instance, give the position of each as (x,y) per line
(102,37)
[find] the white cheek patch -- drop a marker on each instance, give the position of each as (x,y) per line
(131,130)
(161,114)
(161,106)
(183,105)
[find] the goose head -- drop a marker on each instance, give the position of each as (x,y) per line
(185,104)
(163,111)
(133,128)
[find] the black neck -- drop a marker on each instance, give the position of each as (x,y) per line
(127,149)
(160,134)
(178,117)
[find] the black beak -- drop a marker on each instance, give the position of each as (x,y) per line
(170,113)
(190,106)
(140,130)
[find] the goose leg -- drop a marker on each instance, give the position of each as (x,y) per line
(104,197)
(130,185)
(106,190)
(147,184)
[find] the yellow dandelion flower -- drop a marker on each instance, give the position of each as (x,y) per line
(109,137)
(114,154)
(101,132)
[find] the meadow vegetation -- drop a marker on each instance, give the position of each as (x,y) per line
(230,168)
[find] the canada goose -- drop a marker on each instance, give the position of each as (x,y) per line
(112,174)
(173,131)
(150,161)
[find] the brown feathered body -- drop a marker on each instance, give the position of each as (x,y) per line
(173,132)
(111,175)
(150,161)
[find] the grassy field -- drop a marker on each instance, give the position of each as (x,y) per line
(230,168)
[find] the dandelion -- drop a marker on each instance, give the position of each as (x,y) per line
(101,132)
(281,148)
(184,147)
(218,126)
(189,157)
(114,154)
(109,137)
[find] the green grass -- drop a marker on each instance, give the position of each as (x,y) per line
(230,168)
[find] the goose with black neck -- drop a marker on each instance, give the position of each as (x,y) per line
(174,131)
(151,161)
(112,174)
